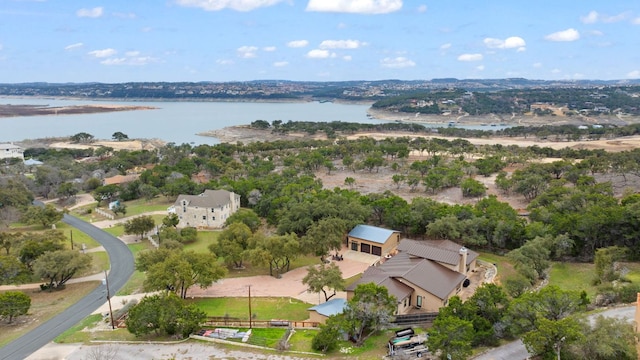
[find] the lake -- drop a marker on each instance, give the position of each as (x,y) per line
(176,122)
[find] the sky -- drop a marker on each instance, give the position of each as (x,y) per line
(114,41)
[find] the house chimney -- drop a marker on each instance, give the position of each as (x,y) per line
(462,266)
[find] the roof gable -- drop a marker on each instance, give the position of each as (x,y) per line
(443,251)
(371,233)
(331,307)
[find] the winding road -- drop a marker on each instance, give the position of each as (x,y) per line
(122,264)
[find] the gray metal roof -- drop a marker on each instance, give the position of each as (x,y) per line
(371,233)
(331,307)
(208,199)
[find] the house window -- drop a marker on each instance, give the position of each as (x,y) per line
(204,217)
(213,218)
(184,209)
(213,210)
(354,246)
(418,301)
(405,302)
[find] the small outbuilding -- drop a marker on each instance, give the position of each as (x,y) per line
(372,240)
(320,313)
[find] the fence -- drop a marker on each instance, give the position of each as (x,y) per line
(415,319)
(105,214)
(229,321)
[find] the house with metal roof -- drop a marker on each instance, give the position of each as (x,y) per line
(320,313)
(422,275)
(208,210)
(372,240)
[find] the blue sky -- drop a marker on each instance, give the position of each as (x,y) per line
(318,40)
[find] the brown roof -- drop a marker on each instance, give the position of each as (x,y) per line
(425,274)
(120,179)
(208,199)
(443,251)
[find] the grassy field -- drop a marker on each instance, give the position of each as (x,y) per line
(261,308)
(205,238)
(44,305)
(134,285)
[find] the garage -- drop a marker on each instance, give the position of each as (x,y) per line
(365,248)
(376,250)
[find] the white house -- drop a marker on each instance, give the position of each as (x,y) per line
(8,150)
(207,210)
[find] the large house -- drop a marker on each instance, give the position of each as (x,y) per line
(207,210)
(8,151)
(423,275)
(372,240)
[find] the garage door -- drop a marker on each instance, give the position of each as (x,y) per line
(365,248)
(376,250)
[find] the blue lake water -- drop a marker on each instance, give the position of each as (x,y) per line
(177,122)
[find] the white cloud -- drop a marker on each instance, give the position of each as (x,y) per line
(347,58)
(319,54)
(470,57)
(594,17)
(73,46)
(132,53)
(125,15)
(280,63)
(397,62)
(537,65)
(238,5)
(590,18)
(513,42)
(556,71)
(564,35)
(269,48)
(355,7)
(342,26)
(341,44)
(247,52)
(224,62)
(634,74)
(445,46)
(104,53)
(132,61)
(480,67)
(422,8)
(96,12)
(297,43)
(636,21)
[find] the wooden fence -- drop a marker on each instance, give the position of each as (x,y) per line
(242,323)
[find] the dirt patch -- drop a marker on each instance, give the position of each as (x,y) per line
(38,110)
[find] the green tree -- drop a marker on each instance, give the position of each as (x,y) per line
(324,236)
(44,215)
(170,221)
(139,225)
(13,304)
(119,136)
(327,338)
(58,267)
(605,263)
(276,251)
(370,309)
(324,278)
(178,271)
(605,339)
(12,271)
(164,314)
(247,217)
(550,337)
(233,244)
(120,209)
(452,337)
(82,137)
(472,188)
(67,190)
(37,244)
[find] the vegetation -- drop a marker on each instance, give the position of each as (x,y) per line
(164,314)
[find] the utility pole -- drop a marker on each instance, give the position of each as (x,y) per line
(106,280)
(249,306)
(71,232)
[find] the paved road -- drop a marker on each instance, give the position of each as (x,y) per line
(121,269)
(516,350)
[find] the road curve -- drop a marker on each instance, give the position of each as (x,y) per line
(122,264)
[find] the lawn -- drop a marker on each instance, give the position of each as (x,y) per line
(141,206)
(99,263)
(261,308)
(205,238)
(44,305)
(573,276)
(77,237)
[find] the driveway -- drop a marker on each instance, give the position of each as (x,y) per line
(121,261)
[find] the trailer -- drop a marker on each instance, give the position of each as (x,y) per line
(408,345)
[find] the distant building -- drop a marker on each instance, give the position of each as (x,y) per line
(120,179)
(208,210)
(8,151)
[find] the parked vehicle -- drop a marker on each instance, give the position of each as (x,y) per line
(406,342)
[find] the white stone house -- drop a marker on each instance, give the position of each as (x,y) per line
(8,151)
(208,210)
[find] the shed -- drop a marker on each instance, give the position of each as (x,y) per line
(320,313)
(373,240)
